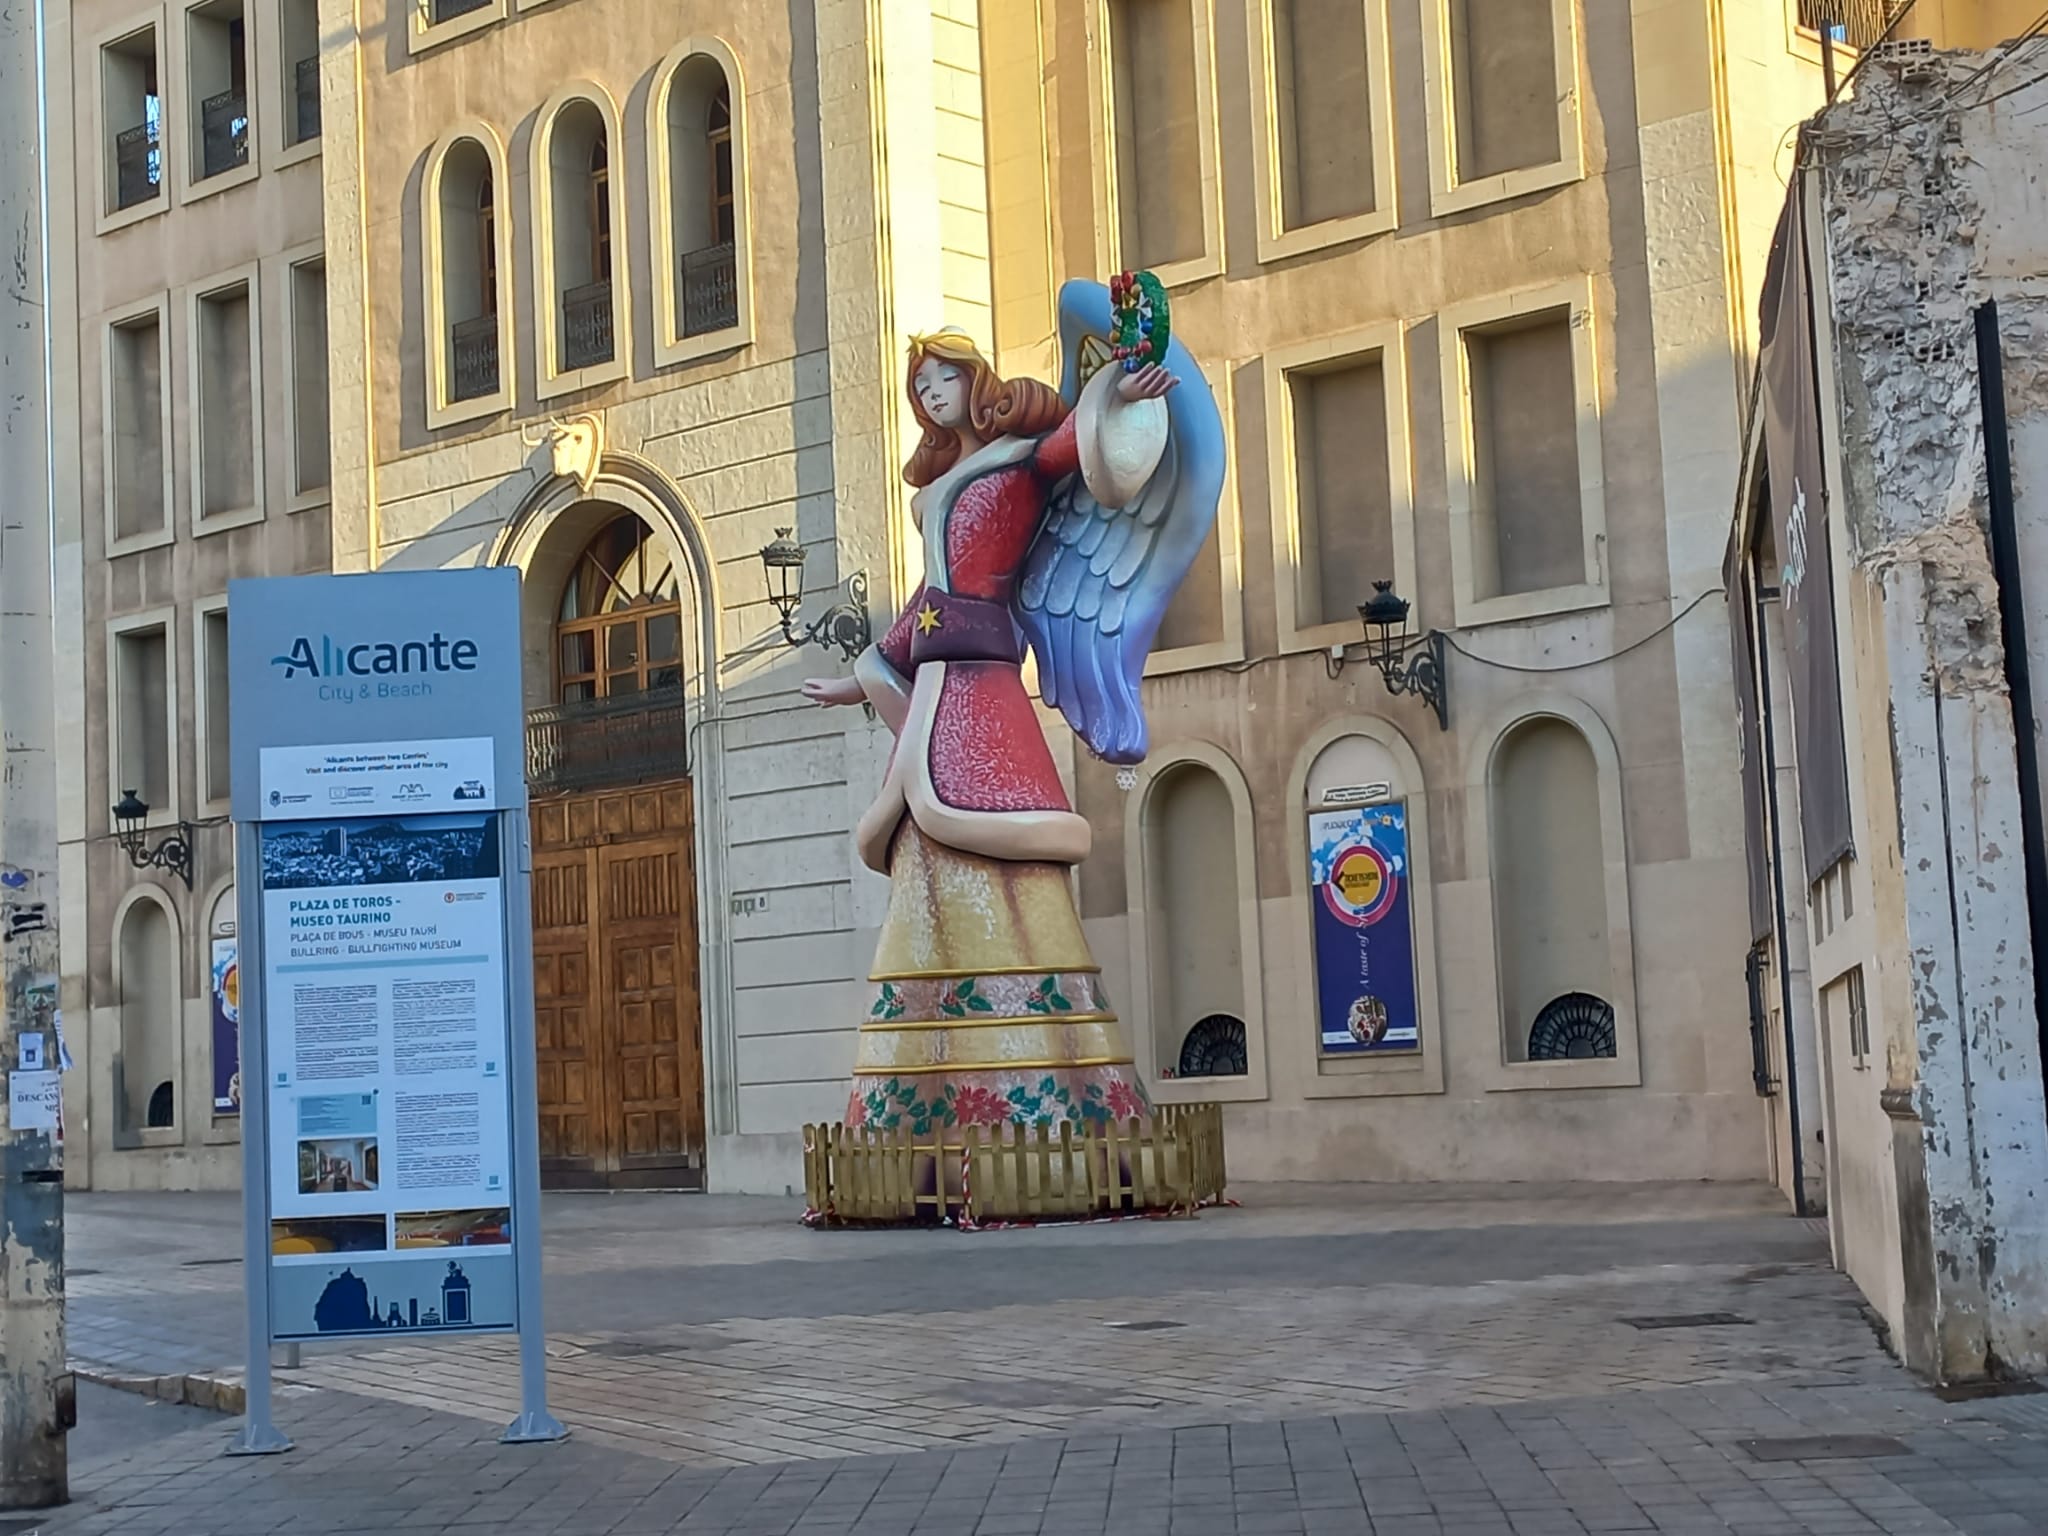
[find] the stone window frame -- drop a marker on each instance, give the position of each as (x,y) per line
(284,267)
(159,305)
(1255,1085)
(257,42)
(1497,1073)
(423,33)
(127,1138)
(1367,1075)
(1389,341)
(203,706)
(165,619)
(1576,296)
(108,218)
(671,349)
(442,410)
(284,152)
(549,383)
(1102,112)
(1277,241)
(1448,192)
(200,525)
(1229,553)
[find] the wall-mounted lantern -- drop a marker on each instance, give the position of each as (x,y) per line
(844,625)
(174,853)
(1407,663)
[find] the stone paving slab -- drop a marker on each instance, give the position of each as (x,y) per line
(1669,1461)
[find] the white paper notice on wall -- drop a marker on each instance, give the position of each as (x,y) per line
(34,1100)
(31,1051)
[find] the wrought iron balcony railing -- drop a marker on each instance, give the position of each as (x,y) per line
(306,96)
(586,326)
(711,296)
(223,133)
(138,165)
(626,739)
(475,345)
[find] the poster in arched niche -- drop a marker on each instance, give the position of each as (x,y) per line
(225,991)
(1364,915)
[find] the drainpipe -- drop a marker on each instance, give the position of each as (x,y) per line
(2005,569)
(1763,675)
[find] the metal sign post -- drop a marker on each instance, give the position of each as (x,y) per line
(391,1162)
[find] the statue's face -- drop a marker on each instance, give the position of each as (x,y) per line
(941,389)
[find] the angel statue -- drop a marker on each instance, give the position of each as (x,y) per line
(1065,519)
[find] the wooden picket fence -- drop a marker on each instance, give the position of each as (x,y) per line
(1172,1162)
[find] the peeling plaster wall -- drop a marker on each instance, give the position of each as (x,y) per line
(1932,206)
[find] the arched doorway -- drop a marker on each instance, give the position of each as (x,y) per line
(618,1025)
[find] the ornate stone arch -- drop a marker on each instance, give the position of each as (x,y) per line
(544,535)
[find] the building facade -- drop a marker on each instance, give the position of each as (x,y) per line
(615,291)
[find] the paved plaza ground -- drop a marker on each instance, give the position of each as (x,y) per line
(1402,1361)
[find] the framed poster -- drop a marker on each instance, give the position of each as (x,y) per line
(227,1028)
(1363,934)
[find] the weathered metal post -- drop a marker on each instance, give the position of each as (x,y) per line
(35,1391)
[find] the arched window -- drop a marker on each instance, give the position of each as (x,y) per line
(152,998)
(580,201)
(1549,894)
(464,268)
(697,123)
(620,624)
(1192,894)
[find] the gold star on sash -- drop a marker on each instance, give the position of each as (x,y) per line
(927,619)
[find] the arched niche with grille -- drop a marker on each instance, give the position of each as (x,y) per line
(1215,1047)
(1574,1027)
(580,300)
(696,133)
(149,982)
(465,237)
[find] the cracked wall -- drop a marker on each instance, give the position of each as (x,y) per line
(1930,190)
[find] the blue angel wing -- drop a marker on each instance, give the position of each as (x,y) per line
(1098,579)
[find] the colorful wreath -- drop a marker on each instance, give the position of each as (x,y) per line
(1142,327)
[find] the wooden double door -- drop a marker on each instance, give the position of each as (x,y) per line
(617,1025)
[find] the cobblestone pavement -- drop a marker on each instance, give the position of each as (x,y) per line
(1439,1361)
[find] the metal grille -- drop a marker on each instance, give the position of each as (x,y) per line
(587,326)
(1573,1027)
(1852,23)
(475,344)
(138,165)
(710,287)
(624,740)
(223,132)
(306,86)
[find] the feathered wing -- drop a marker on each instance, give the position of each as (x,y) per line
(1098,579)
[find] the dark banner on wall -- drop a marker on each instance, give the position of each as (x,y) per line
(1363,928)
(227,1030)
(1799,527)
(1749,738)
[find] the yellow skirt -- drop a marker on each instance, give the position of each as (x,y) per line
(988,1008)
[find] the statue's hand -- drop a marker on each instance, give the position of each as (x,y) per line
(833,690)
(1148,383)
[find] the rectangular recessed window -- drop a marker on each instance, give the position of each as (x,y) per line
(213,662)
(1527,512)
(1156,94)
(227,434)
(1322,107)
(142,744)
(135,400)
(309,378)
(1343,495)
(299,38)
(1195,614)
(1504,85)
(133,109)
(217,67)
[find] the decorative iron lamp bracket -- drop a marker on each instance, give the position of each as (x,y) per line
(844,625)
(1405,665)
(173,854)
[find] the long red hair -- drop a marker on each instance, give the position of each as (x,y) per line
(996,406)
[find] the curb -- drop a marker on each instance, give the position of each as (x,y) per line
(219,1394)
